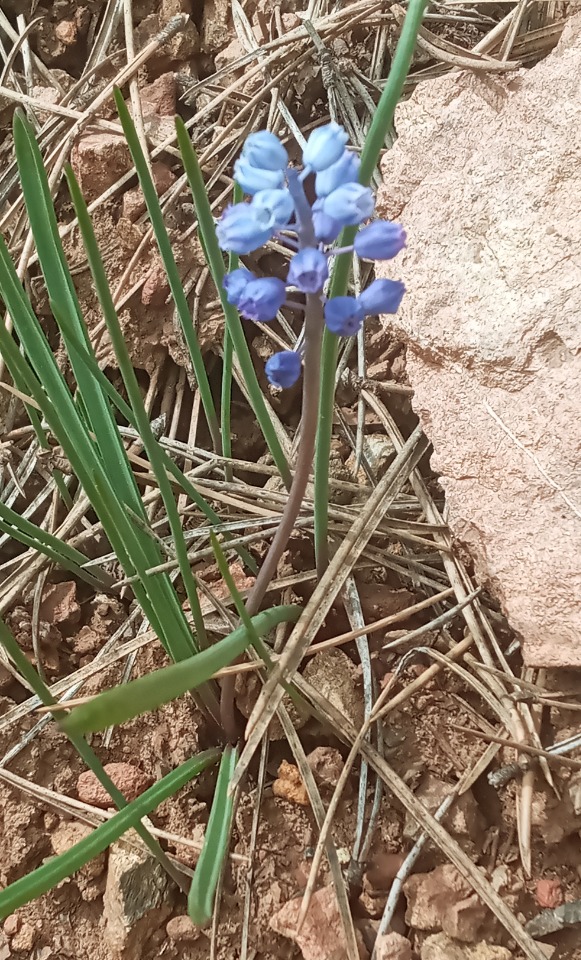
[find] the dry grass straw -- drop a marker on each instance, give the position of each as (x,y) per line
(397,508)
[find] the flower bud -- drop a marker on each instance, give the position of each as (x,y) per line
(344,316)
(381,240)
(283,369)
(308,270)
(350,204)
(381,296)
(240,230)
(345,170)
(262,299)
(273,207)
(235,284)
(326,229)
(252,179)
(324,146)
(263,149)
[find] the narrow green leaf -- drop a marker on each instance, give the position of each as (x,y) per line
(215,260)
(374,143)
(38,686)
(50,546)
(165,249)
(92,367)
(61,290)
(152,447)
(45,877)
(152,691)
(209,865)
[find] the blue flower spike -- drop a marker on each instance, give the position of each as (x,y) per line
(262,299)
(252,179)
(324,146)
(344,170)
(279,203)
(235,284)
(273,207)
(349,204)
(381,296)
(344,316)
(308,271)
(381,240)
(240,231)
(265,151)
(283,369)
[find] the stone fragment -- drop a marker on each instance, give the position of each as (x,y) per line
(130,780)
(549,893)
(326,764)
(392,946)
(155,289)
(11,925)
(133,199)
(67,32)
(334,676)
(25,939)
(216,31)
(66,835)
(443,900)
(289,785)
(464,821)
(159,97)
(182,930)
(379,451)
(321,936)
(181,47)
(59,603)
(98,161)
(489,195)
(552,817)
(440,947)
(136,903)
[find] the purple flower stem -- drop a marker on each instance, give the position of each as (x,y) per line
(303,212)
(314,325)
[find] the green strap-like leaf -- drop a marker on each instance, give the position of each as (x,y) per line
(175,283)
(47,876)
(152,691)
(209,865)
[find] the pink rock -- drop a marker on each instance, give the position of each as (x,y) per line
(321,936)
(134,201)
(464,820)
(128,779)
(182,930)
(443,900)
(59,603)
(392,946)
(489,193)
(160,96)
(441,947)
(98,161)
(549,893)
(67,32)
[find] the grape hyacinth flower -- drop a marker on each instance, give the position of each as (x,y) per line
(278,207)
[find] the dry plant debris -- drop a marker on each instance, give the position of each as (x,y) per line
(403,621)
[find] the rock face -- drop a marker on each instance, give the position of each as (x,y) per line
(486,177)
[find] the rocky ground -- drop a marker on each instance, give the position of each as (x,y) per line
(447,178)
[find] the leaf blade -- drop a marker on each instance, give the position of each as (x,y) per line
(152,691)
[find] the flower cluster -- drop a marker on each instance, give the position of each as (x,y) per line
(279,207)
